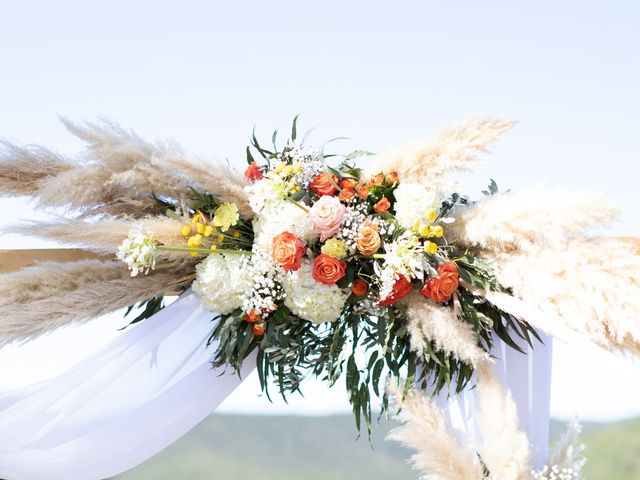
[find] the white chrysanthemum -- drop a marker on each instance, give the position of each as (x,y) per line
(138,251)
(413,203)
(281,217)
(264,194)
(311,300)
(405,256)
(221,280)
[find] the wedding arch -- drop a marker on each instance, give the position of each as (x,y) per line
(369,269)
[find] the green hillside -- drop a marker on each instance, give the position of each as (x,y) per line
(230,447)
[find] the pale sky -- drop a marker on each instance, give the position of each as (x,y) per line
(380,72)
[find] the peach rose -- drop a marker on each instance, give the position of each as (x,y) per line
(348,183)
(363,192)
(327,269)
(442,287)
(287,251)
(368,241)
(321,185)
(359,288)
(346,194)
(253,172)
(376,180)
(382,206)
(327,215)
(391,178)
(401,289)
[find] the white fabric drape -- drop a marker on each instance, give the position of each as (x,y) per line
(528,378)
(121,405)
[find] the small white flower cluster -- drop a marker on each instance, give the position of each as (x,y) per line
(555,473)
(311,164)
(413,202)
(354,217)
(311,300)
(138,251)
(221,281)
(263,289)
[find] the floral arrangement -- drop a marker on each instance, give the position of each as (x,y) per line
(384,275)
(315,280)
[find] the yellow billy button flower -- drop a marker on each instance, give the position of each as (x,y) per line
(334,247)
(431,215)
(197,218)
(200,228)
(436,231)
(430,247)
(195,241)
(424,230)
(220,238)
(214,247)
(236,234)
(208,230)
(185,231)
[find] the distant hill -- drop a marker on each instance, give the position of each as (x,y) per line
(229,447)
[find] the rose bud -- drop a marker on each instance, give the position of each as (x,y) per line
(252,316)
(382,206)
(258,329)
(391,178)
(359,288)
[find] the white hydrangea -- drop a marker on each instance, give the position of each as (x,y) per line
(264,194)
(281,217)
(138,251)
(221,281)
(311,300)
(413,203)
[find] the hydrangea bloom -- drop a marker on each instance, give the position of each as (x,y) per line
(221,281)
(413,204)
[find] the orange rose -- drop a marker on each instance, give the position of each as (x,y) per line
(253,172)
(252,316)
(346,194)
(363,192)
(327,269)
(287,251)
(401,289)
(348,183)
(321,184)
(391,178)
(442,287)
(359,288)
(382,206)
(376,180)
(258,329)
(368,241)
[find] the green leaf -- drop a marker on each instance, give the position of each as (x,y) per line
(250,158)
(358,153)
(294,128)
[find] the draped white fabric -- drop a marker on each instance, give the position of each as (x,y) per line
(149,386)
(123,404)
(528,378)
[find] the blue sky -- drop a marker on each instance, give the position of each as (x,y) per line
(379,72)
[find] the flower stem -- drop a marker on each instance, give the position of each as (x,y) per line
(301,207)
(375,255)
(202,250)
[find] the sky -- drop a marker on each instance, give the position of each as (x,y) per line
(381,73)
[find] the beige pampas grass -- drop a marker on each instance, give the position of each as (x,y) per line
(505,449)
(103,289)
(452,149)
(438,455)
(105,236)
(591,288)
(23,170)
(51,278)
(568,452)
(532,218)
(430,322)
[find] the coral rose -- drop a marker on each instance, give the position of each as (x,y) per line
(391,178)
(376,180)
(359,288)
(363,192)
(382,206)
(322,185)
(442,287)
(368,241)
(287,251)
(327,215)
(348,184)
(401,289)
(327,269)
(253,172)
(346,194)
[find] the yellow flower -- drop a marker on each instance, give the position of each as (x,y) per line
(236,234)
(220,238)
(286,171)
(225,216)
(297,167)
(200,228)
(197,218)
(279,167)
(430,247)
(436,231)
(186,230)
(431,215)
(214,247)
(208,230)
(334,247)
(195,241)
(424,230)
